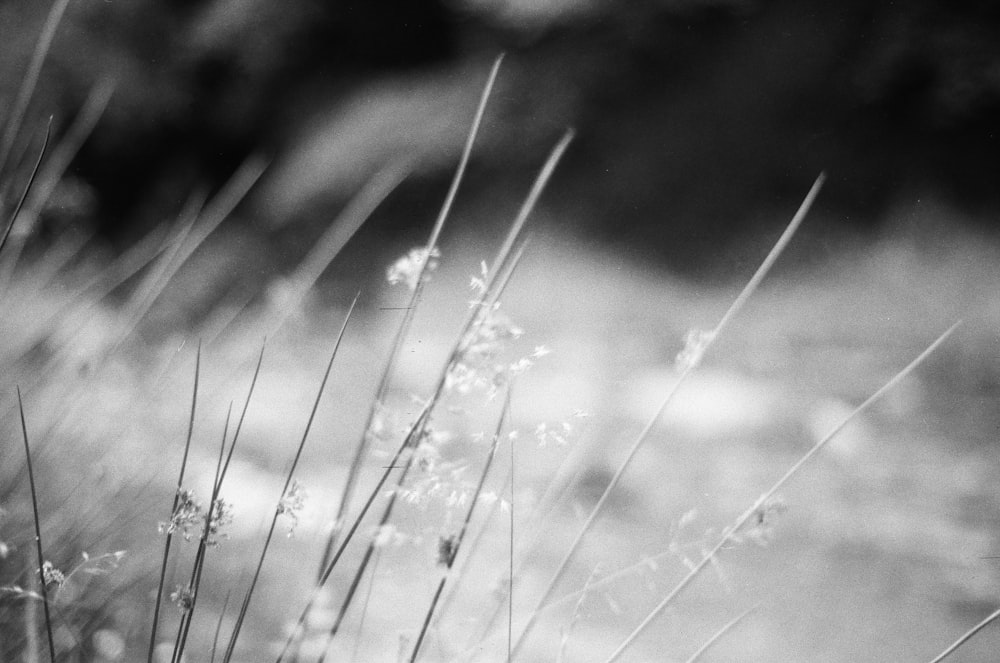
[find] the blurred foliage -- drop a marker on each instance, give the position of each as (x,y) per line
(697,118)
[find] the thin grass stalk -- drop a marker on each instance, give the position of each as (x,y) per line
(555,492)
(69,145)
(370,550)
(364,606)
(214,213)
(99,286)
(104,286)
(230,648)
(720,633)
(409,311)
(27,187)
(762,501)
(177,495)
(14,120)
(968,634)
(498,281)
(152,282)
(503,267)
(239,424)
(218,627)
(533,195)
(473,548)
(688,368)
(376,491)
(607,580)
(496,284)
(351,590)
(450,555)
(577,611)
(203,543)
(63,154)
(38,531)
(222,317)
(58,257)
(504,279)
(510,561)
(223,203)
(343,228)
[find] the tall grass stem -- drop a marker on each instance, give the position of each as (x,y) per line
(38,531)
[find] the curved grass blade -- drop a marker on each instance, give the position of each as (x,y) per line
(59,160)
(13,123)
(27,187)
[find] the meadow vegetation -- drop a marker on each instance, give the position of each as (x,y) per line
(533,451)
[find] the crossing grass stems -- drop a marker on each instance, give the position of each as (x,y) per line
(480,337)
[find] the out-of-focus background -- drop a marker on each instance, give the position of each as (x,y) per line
(699,121)
(700,127)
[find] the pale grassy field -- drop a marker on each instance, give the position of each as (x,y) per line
(881,552)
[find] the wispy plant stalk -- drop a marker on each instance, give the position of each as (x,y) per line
(718,635)
(27,187)
(967,636)
(213,519)
(404,326)
(12,125)
(730,532)
(687,369)
(241,616)
(173,509)
(453,547)
(38,531)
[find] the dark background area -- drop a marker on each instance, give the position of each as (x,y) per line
(697,120)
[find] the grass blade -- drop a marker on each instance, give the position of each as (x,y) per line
(38,531)
(30,81)
(568,631)
(213,517)
(640,440)
(218,627)
(732,530)
(496,284)
(497,279)
(376,491)
(968,634)
(193,236)
(348,222)
(177,495)
(453,548)
(230,648)
(27,187)
(55,166)
(721,632)
(243,414)
(355,467)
